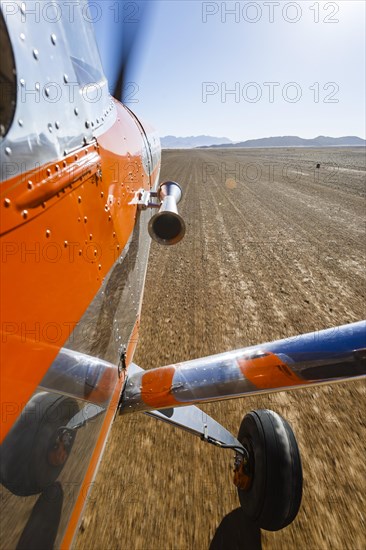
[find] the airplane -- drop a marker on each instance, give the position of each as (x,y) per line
(80,202)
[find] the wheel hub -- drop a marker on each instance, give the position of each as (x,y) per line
(60,448)
(243,471)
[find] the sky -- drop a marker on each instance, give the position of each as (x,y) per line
(241,70)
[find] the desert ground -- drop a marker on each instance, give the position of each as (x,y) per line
(274,247)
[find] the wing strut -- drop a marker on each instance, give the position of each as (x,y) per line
(197,422)
(310,359)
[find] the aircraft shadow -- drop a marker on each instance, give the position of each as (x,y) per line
(41,529)
(236,532)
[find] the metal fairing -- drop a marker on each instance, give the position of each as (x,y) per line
(74,255)
(62,94)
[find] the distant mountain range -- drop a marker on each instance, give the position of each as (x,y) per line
(172,142)
(295,141)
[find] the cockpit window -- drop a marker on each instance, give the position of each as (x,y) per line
(8,88)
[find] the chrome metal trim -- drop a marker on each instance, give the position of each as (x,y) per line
(81,376)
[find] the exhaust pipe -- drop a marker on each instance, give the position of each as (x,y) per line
(167,226)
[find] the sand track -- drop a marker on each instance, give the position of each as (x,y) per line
(264,257)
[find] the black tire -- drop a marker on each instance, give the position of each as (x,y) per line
(273,498)
(25,467)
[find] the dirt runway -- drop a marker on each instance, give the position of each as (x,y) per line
(274,247)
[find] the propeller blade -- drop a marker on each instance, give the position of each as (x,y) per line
(136,16)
